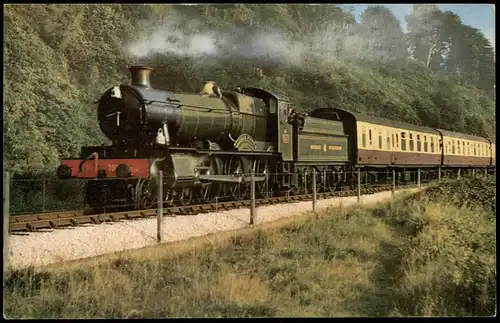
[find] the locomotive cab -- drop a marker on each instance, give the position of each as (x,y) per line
(280,130)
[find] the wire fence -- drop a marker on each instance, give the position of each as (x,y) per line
(45,195)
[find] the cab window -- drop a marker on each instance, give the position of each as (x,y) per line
(283,112)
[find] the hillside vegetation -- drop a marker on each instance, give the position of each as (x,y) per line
(60,58)
(430,254)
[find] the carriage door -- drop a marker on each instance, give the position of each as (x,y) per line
(285,136)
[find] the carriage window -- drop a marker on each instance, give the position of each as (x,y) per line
(392,140)
(403,141)
(475,152)
(397,140)
(458,147)
(412,145)
(453,146)
(388,140)
(363,137)
(370,136)
(432,144)
(463,148)
(425,144)
(419,143)
(380,141)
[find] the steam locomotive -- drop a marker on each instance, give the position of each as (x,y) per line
(207,144)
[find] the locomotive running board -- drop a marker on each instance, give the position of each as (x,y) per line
(229,178)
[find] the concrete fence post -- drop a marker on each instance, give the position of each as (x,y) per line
(418,177)
(252,197)
(44,193)
(305,182)
(393,182)
(359,185)
(160,206)
(6,218)
(314,191)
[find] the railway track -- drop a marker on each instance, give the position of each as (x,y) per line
(54,220)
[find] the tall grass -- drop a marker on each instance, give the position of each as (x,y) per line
(418,256)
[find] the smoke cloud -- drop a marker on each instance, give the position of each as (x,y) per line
(326,44)
(166,40)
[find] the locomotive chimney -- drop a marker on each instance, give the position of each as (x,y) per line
(140,75)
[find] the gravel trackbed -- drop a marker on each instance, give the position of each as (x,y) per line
(53,246)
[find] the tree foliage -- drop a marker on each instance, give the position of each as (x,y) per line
(59,59)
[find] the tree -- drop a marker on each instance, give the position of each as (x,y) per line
(423,33)
(382,32)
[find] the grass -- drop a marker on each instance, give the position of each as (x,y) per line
(430,254)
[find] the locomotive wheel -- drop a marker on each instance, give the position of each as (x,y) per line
(168,198)
(261,168)
(146,194)
(332,180)
(185,196)
(211,190)
(304,180)
(237,166)
(93,195)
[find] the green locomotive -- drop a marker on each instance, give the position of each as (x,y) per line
(206,144)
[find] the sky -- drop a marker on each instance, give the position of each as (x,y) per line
(480,16)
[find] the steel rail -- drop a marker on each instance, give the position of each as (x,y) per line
(53,220)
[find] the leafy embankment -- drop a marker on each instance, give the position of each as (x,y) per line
(431,254)
(445,260)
